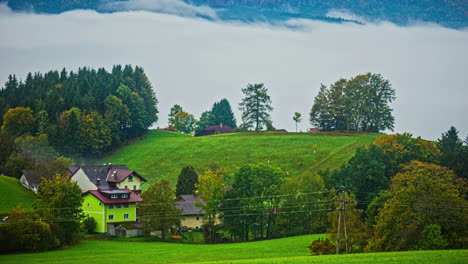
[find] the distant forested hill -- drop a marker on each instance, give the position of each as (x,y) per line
(449,13)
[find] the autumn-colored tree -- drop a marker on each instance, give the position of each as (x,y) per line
(184,122)
(19,121)
(59,202)
(422,194)
(172,114)
(117,118)
(211,190)
(400,149)
(24,231)
(94,134)
(158,210)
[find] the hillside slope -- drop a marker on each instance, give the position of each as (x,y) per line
(162,154)
(13,193)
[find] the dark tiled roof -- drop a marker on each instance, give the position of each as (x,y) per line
(103,198)
(187,204)
(73,169)
(222,129)
(104,174)
(33,178)
(116,175)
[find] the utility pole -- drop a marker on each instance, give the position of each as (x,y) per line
(341,215)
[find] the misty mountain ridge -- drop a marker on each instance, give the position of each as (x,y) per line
(447,13)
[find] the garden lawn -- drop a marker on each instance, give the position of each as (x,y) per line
(162,154)
(286,250)
(13,193)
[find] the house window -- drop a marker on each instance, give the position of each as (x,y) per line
(198,218)
(126,187)
(114,196)
(125,205)
(111,206)
(130,178)
(111,217)
(124,195)
(134,187)
(119,206)
(126,216)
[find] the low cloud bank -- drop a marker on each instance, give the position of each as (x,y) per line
(174,7)
(194,62)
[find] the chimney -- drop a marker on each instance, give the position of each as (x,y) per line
(221,125)
(98,182)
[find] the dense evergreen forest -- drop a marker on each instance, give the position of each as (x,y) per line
(83,113)
(449,13)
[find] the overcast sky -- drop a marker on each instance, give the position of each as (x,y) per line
(194,62)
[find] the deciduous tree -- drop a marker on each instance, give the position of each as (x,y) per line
(211,190)
(422,194)
(19,121)
(254,197)
(184,122)
(172,114)
(59,201)
(297,118)
(158,211)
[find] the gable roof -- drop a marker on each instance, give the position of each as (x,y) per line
(105,174)
(187,204)
(103,198)
(73,169)
(33,178)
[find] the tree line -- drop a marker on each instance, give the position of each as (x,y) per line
(81,114)
(87,112)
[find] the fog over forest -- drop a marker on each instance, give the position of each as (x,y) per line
(195,62)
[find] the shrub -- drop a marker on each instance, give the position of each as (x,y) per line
(322,247)
(89,224)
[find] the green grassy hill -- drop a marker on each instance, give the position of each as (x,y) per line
(162,154)
(13,193)
(285,250)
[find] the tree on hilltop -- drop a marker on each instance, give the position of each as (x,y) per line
(255,106)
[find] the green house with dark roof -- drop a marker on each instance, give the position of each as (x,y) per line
(111,208)
(111,196)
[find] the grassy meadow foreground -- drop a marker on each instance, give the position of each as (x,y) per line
(286,250)
(162,154)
